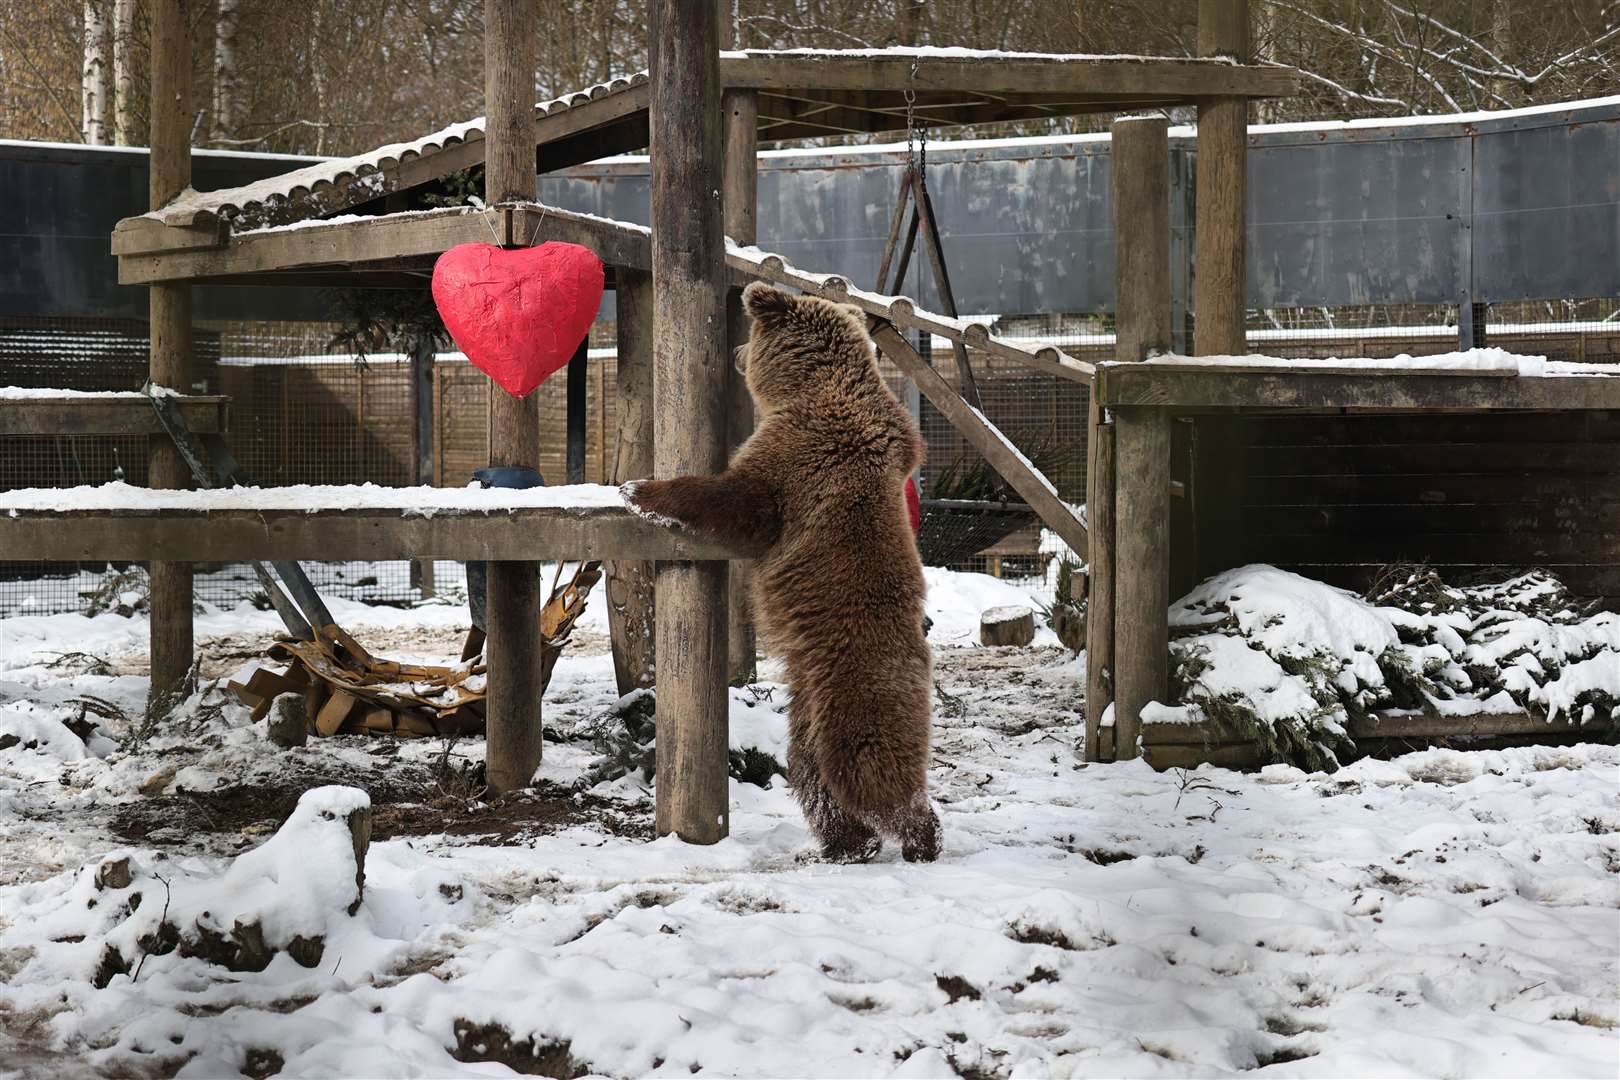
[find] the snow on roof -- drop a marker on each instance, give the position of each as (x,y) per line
(257,155)
(957,52)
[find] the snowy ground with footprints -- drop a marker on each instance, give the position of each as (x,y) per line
(183,899)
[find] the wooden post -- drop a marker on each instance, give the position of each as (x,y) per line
(1220,228)
(578,369)
(1141,442)
(740,197)
(170,329)
(631,619)
(512,609)
(689,421)
(421,376)
(1099,577)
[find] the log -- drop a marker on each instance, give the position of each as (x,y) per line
(689,391)
(631,620)
(1012,625)
(288,721)
(740,196)
(169,173)
(512,608)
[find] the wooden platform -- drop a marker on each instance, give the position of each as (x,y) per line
(106,414)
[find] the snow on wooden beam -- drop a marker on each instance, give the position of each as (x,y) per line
(1374,387)
(34,412)
(120,522)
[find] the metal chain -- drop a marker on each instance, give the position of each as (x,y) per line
(911,120)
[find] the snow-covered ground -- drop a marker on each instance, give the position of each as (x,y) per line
(1442,914)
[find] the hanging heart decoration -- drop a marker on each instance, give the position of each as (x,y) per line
(518,313)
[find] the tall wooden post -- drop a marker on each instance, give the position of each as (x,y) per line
(1220,228)
(170,329)
(1099,577)
(422,357)
(1141,194)
(512,608)
(631,619)
(740,196)
(689,394)
(574,449)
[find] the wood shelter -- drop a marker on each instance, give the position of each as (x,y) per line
(670,277)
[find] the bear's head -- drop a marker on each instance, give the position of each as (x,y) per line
(801,346)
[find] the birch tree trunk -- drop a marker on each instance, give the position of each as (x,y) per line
(227,101)
(123,49)
(97,42)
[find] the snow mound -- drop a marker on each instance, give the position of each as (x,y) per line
(1291,661)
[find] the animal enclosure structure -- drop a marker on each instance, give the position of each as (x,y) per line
(358,222)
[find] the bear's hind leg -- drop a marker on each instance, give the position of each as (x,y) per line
(919,830)
(843,838)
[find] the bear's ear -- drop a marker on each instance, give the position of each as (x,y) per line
(761,300)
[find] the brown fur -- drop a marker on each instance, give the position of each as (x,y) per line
(839,591)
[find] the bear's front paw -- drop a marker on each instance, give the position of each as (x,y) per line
(634,493)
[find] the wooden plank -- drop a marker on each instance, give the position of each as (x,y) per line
(689,394)
(169,318)
(1388,389)
(512,651)
(130,415)
(631,618)
(1141,567)
(1221,204)
(1141,214)
(530,534)
(1011,466)
(1104,78)
(740,202)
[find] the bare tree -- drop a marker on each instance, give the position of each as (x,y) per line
(226,99)
(123,49)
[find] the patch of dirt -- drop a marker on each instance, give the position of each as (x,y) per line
(492,1042)
(404,799)
(956,988)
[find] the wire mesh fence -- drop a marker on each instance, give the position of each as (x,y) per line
(302,416)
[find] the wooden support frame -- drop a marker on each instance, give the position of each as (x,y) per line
(123,414)
(984,437)
(1221,207)
(1099,577)
(689,394)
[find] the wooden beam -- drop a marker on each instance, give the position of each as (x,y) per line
(983,436)
(902,311)
(276,535)
(1373,389)
(689,393)
(1073,78)
(169,320)
(512,605)
(739,110)
(1142,567)
(631,614)
(1221,207)
(1419,726)
(1099,577)
(129,414)
(1141,442)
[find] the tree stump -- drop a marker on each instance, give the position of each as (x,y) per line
(289,721)
(1007,626)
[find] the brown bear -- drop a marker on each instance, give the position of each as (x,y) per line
(839,590)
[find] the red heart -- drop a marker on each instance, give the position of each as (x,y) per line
(518,313)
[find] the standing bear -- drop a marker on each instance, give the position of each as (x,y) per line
(839,590)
